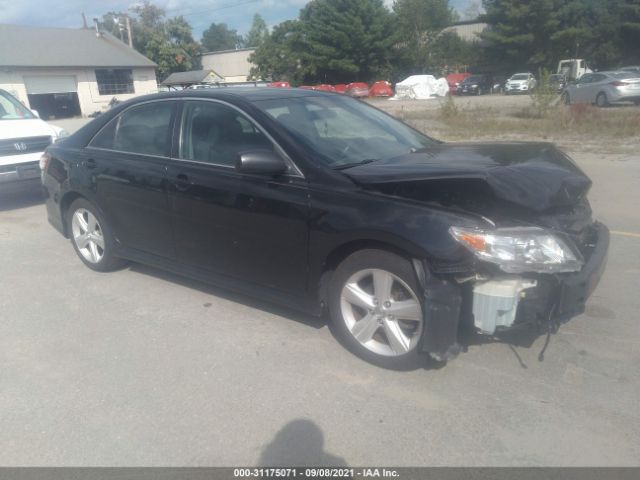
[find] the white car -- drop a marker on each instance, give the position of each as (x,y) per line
(23,139)
(520,83)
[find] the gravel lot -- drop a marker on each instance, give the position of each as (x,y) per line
(140,367)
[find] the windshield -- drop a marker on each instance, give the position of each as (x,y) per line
(12,109)
(341,131)
(520,76)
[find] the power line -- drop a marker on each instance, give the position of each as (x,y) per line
(221,7)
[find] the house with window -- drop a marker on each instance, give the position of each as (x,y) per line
(65,72)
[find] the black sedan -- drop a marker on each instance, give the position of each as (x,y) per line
(323,203)
(476,85)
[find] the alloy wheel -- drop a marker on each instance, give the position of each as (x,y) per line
(382,312)
(87,235)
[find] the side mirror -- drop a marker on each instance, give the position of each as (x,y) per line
(261,162)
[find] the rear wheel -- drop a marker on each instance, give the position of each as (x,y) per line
(376,309)
(601,100)
(91,237)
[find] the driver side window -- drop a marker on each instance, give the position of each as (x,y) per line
(215,133)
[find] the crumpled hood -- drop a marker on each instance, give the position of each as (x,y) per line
(536,176)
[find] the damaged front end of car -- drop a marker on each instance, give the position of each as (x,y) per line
(534,261)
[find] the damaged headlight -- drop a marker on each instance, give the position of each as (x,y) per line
(519,250)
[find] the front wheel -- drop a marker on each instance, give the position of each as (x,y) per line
(376,309)
(91,237)
(601,100)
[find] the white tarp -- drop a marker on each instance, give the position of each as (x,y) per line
(421,87)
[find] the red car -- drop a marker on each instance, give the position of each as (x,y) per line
(358,89)
(279,85)
(341,87)
(455,79)
(325,88)
(381,88)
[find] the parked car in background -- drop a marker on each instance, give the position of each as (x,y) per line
(323,87)
(557,82)
(631,68)
(23,139)
(603,88)
(279,85)
(454,80)
(520,83)
(341,87)
(573,68)
(324,203)
(475,85)
(357,89)
(381,88)
(498,83)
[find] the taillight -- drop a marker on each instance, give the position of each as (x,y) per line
(618,83)
(44,161)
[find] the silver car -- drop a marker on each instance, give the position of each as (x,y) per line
(520,83)
(603,88)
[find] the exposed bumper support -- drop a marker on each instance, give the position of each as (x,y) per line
(540,300)
(442,300)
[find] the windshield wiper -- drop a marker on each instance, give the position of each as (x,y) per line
(355,164)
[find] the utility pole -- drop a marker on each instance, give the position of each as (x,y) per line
(129,31)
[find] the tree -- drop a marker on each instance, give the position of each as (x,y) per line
(219,37)
(277,58)
(345,40)
(169,43)
(521,31)
(258,32)
(537,33)
(333,41)
(417,24)
(450,52)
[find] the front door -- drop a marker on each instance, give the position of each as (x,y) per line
(249,227)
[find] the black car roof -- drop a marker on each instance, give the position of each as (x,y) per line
(250,94)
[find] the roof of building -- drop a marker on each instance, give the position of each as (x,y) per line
(229,63)
(26,46)
(217,52)
(192,77)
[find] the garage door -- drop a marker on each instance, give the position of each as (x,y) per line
(50,84)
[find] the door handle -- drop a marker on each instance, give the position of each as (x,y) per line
(90,164)
(182,182)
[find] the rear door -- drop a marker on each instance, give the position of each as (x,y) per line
(249,227)
(126,162)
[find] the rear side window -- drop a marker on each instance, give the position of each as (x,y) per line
(145,129)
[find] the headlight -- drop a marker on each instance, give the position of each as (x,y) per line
(474,85)
(519,250)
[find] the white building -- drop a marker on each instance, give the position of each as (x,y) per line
(64,72)
(232,65)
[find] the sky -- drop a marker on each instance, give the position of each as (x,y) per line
(199,13)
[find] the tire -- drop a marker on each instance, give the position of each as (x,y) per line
(601,100)
(91,237)
(381,289)
(564,98)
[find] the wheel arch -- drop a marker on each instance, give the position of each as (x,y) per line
(65,202)
(340,252)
